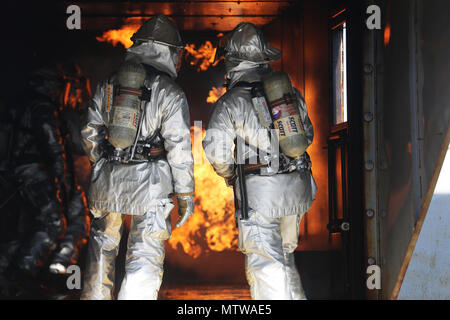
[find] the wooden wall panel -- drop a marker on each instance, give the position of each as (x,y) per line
(317,96)
(302,35)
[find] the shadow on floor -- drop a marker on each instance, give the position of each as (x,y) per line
(321,273)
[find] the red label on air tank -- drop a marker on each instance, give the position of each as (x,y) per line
(287,119)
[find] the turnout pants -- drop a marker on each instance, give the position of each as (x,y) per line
(144,257)
(268,244)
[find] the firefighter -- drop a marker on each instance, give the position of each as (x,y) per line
(32,171)
(42,130)
(137,136)
(75,91)
(277,196)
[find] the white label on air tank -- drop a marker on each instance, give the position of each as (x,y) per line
(289,126)
(124,117)
(287,120)
(260,105)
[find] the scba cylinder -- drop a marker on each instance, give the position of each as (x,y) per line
(283,104)
(124,121)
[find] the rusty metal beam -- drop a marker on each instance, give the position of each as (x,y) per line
(189,15)
(222,24)
(189,8)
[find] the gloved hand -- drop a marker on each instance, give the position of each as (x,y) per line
(185,209)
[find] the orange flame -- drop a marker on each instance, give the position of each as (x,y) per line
(215,94)
(387,34)
(212,226)
(203,57)
(121,35)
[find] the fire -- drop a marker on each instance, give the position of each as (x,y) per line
(122,35)
(387,34)
(203,57)
(215,94)
(212,226)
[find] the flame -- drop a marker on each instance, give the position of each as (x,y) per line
(72,98)
(76,90)
(387,34)
(121,35)
(203,57)
(215,94)
(212,226)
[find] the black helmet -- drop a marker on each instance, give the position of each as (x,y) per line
(159,29)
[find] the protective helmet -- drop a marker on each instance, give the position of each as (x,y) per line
(247,43)
(159,29)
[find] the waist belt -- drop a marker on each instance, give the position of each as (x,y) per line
(143,152)
(149,153)
(256,168)
(253,168)
(155,152)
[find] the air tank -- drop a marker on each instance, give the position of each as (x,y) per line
(125,116)
(283,104)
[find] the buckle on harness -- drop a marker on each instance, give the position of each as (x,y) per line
(143,152)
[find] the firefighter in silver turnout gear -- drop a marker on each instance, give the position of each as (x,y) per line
(278,201)
(141,188)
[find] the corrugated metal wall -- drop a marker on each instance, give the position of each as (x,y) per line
(408,76)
